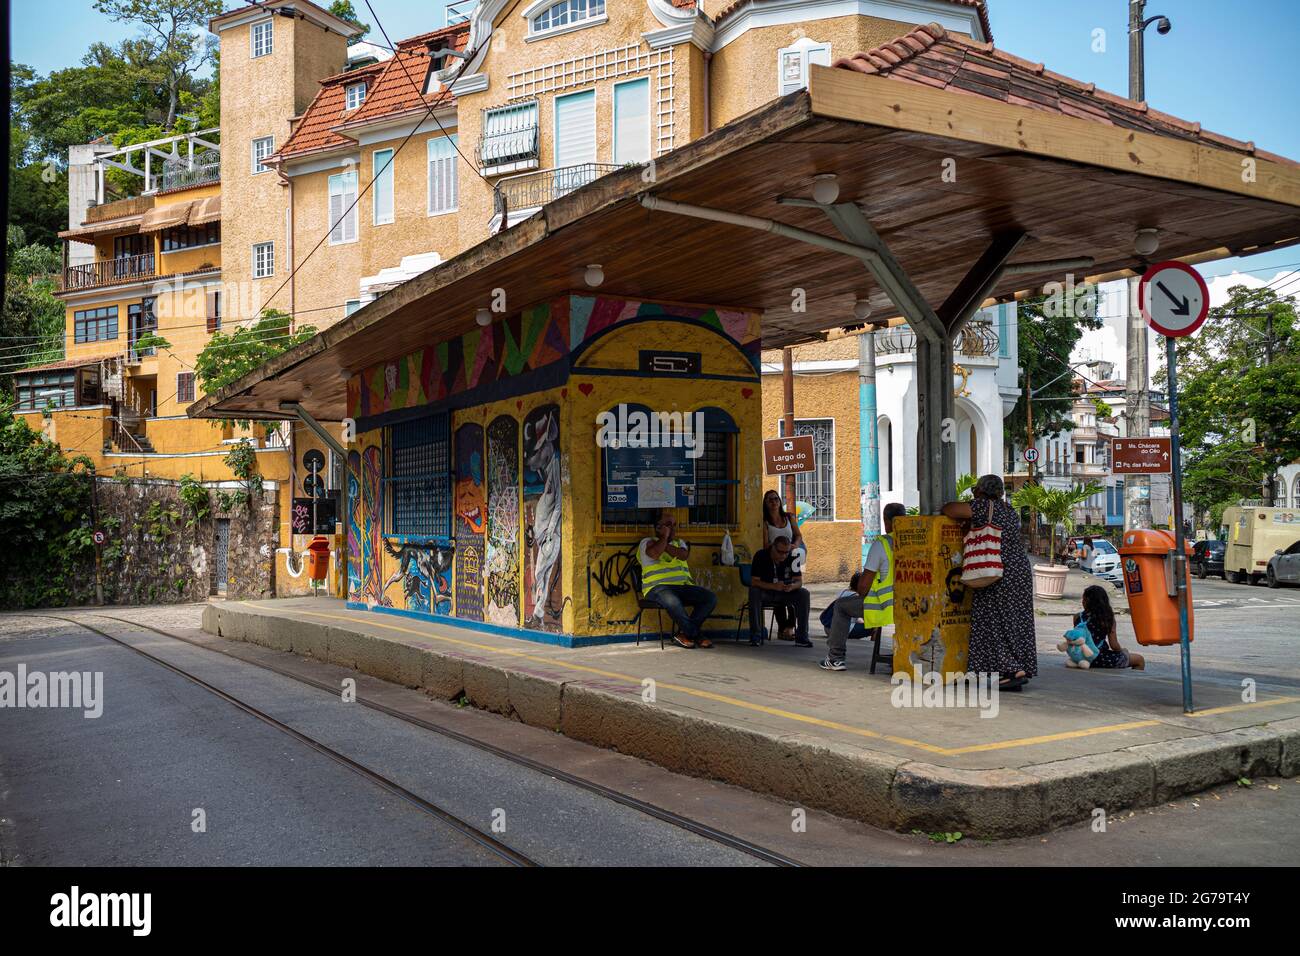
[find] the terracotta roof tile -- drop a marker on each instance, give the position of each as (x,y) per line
(393,87)
(930,56)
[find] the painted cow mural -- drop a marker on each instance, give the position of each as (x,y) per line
(424,569)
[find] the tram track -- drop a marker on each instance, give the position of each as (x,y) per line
(698,828)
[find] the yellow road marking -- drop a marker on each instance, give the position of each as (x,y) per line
(775,711)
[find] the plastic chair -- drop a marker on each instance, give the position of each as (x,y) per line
(742,616)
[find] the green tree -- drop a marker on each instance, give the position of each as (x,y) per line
(1047,328)
(176,29)
(1056,505)
(31,323)
(344,10)
(1239,398)
(45,508)
(229,356)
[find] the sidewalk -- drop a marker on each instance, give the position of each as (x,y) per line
(769,720)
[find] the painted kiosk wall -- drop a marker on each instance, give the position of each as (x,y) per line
(478,491)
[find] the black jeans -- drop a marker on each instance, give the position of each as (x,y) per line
(795,603)
(673,598)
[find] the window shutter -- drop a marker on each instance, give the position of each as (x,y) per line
(443,172)
(213,310)
(632,122)
(575,129)
(336,217)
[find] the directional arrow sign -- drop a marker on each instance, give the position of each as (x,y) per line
(1139,456)
(1173,298)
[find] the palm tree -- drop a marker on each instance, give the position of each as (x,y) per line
(1055,505)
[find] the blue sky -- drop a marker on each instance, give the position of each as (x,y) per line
(1232,66)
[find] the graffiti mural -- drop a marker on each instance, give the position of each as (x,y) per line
(366,504)
(471,521)
(543,515)
(425,572)
(522,343)
(502,575)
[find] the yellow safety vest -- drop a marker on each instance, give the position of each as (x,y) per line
(667,570)
(878,605)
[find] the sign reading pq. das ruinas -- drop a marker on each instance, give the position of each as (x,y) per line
(788,456)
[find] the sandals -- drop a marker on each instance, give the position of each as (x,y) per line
(1012,683)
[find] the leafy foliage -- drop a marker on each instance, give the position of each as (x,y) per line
(196,498)
(1047,328)
(32,316)
(1056,505)
(344,10)
(1239,415)
(45,501)
(229,356)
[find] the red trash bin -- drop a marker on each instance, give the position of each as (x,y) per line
(1150,584)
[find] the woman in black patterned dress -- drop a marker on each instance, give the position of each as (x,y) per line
(1002,636)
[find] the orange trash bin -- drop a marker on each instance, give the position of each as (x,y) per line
(1147,559)
(318,559)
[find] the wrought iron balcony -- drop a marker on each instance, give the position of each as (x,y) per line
(177,174)
(533,190)
(108,272)
(510,139)
(977,339)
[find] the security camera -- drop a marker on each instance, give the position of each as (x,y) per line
(1163,26)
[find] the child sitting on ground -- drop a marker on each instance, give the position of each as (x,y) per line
(1101,622)
(857,632)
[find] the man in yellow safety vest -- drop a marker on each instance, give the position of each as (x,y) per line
(874,600)
(666,580)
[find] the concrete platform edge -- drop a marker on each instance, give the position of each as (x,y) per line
(880,789)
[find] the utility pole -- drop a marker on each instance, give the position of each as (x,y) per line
(868,448)
(1029,443)
(1137,405)
(787,418)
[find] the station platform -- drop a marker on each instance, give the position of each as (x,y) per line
(768,719)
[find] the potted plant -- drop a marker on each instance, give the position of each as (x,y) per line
(1056,505)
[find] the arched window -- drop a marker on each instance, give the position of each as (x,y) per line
(565,13)
(1295,497)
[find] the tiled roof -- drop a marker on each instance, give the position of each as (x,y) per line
(393,87)
(64,363)
(930,56)
(980,8)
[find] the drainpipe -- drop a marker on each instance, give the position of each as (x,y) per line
(708,111)
(868,451)
(293,311)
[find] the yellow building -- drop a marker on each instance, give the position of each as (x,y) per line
(341,176)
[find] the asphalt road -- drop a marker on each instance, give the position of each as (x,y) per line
(122,789)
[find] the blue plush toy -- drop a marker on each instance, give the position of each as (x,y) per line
(1078,645)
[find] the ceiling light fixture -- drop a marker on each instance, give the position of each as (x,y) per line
(594,275)
(826,188)
(483,317)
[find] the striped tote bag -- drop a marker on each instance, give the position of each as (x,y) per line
(981,559)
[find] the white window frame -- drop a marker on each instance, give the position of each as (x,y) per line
(454,139)
(347,96)
(538,7)
(259,166)
(649,117)
(351,306)
(269,258)
(555,123)
(348,216)
(803,48)
(255,31)
(386,172)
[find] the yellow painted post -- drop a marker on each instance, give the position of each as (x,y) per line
(931,606)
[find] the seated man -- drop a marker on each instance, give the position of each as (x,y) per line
(773,583)
(873,597)
(666,580)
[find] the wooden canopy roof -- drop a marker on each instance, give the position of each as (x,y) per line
(1077,185)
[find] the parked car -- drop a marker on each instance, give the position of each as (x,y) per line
(1207,558)
(1284,567)
(1104,558)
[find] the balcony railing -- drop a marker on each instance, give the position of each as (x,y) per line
(460,11)
(977,339)
(176,175)
(510,137)
(532,190)
(108,272)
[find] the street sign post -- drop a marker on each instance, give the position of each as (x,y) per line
(1141,456)
(1031,454)
(1175,301)
(788,456)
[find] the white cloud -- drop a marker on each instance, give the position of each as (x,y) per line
(1219,285)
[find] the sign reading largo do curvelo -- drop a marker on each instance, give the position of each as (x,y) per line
(788,456)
